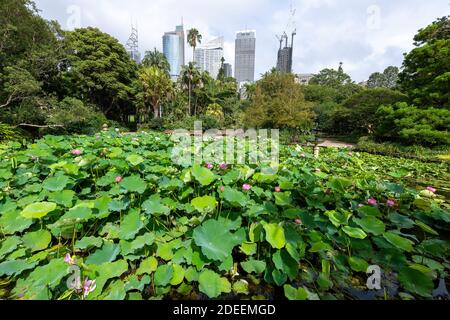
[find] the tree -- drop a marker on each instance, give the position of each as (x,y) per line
(189,79)
(278,102)
(358,113)
(193,38)
(387,79)
(100,71)
(426,69)
(221,74)
(157,59)
(413,125)
(156,89)
(332,78)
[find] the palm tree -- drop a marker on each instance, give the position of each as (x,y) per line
(189,78)
(157,59)
(156,89)
(193,38)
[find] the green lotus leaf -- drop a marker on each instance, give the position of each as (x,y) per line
(37,240)
(356,233)
(416,281)
(134,184)
(399,241)
(89,242)
(215,240)
(275,235)
(204,204)
(135,159)
(57,183)
(163,275)
(202,175)
(212,284)
(38,210)
(12,222)
(130,225)
(107,253)
(371,225)
(234,197)
(295,293)
(254,266)
(147,266)
(15,267)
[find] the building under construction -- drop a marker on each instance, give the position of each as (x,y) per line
(284,61)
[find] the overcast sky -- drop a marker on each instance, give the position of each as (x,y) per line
(366,35)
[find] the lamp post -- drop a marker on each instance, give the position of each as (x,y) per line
(316,141)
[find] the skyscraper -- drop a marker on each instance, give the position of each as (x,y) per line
(284,61)
(244,69)
(132,45)
(228,72)
(207,57)
(173,48)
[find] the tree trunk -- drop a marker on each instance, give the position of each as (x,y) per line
(155,111)
(189,114)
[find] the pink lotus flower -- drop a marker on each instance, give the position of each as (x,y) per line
(88,287)
(277,189)
(390,203)
(68,259)
(76,152)
(118,179)
(209,166)
(431,189)
(222,189)
(298,221)
(372,201)
(224,166)
(246,187)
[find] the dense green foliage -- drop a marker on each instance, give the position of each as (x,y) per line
(387,79)
(140,226)
(426,69)
(278,102)
(358,114)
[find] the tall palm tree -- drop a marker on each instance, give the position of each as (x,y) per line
(189,77)
(193,38)
(157,59)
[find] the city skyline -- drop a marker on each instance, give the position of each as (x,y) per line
(208,56)
(366,35)
(174,49)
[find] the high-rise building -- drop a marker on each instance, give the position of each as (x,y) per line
(284,61)
(208,56)
(244,69)
(132,46)
(173,49)
(228,70)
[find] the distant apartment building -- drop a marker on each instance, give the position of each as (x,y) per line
(207,57)
(304,78)
(245,49)
(173,49)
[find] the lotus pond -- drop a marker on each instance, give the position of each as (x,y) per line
(112,217)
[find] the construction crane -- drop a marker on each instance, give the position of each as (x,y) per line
(284,60)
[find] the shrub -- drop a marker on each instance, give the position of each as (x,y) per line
(411,125)
(76,117)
